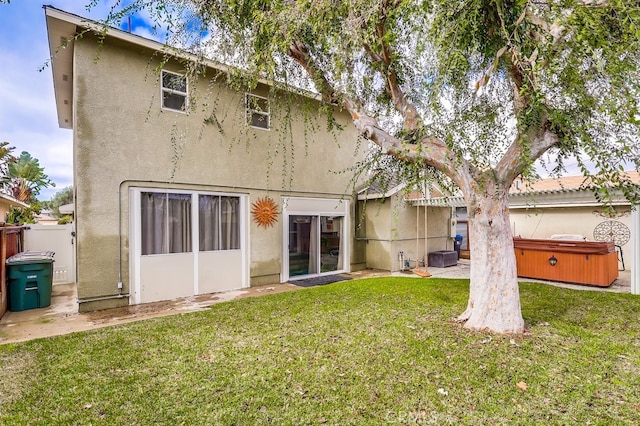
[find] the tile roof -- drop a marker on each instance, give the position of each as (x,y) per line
(565,183)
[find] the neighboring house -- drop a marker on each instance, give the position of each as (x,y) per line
(67,209)
(167,206)
(565,208)
(44,218)
(393,227)
(7,202)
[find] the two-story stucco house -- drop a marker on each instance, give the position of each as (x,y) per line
(171,173)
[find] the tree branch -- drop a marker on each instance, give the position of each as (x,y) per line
(298,52)
(428,149)
(528,147)
(523,151)
(411,117)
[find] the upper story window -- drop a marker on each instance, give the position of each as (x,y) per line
(174,91)
(258,111)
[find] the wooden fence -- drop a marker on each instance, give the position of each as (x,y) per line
(11,242)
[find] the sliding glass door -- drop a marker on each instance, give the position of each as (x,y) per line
(331,244)
(315,238)
(315,244)
(302,245)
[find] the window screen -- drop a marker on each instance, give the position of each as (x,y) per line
(219,222)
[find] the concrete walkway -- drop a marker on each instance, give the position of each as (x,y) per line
(463,269)
(62,317)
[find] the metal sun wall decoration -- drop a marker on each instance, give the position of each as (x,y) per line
(265,212)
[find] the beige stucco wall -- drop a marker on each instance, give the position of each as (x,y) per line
(122,138)
(5,207)
(544,222)
(391,227)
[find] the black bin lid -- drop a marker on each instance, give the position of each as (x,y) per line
(31,257)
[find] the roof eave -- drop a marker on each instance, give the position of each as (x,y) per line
(364,195)
(13,202)
(62,27)
(60,32)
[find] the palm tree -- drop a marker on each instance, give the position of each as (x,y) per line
(25,177)
(6,157)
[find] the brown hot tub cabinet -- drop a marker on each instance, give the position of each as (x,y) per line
(581,262)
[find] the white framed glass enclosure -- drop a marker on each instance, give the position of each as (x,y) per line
(315,237)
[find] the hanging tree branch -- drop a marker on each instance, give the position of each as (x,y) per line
(434,151)
(431,150)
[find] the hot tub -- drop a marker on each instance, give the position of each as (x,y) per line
(580,262)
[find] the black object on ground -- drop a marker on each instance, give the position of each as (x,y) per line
(325,279)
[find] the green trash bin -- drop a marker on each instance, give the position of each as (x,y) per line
(29,280)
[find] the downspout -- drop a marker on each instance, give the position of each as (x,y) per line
(120,294)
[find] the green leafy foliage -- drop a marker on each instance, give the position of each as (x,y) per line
(23,215)
(6,157)
(25,178)
(482,76)
(62,197)
(65,219)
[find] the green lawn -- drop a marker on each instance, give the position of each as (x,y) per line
(373,351)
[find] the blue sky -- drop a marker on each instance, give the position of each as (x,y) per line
(28,117)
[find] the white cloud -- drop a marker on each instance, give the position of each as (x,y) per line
(28,117)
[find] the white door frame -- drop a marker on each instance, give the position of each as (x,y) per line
(135,222)
(304,206)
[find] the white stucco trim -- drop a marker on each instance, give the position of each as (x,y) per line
(135,246)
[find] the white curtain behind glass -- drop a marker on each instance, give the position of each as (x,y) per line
(153,217)
(219,219)
(209,213)
(229,223)
(165,222)
(179,223)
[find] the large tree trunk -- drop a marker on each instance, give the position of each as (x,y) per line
(494,299)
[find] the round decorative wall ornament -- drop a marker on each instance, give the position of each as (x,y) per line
(265,212)
(612,230)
